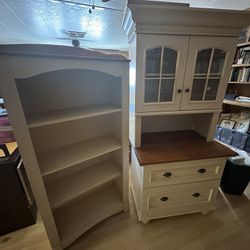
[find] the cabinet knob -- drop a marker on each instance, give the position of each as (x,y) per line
(164,198)
(196,194)
(167,174)
(201,170)
(187,90)
(179,91)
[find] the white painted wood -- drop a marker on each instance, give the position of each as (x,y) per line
(149,185)
(72,221)
(77,140)
(58,116)
(180,195)
(154,17)
(62,158)
(182,172)
(180,198)
(179,112)
(70,187)
(199,43)
(144,42)
(234,103)
(6,128)
(16,115)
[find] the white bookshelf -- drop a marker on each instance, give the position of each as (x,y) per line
(235,103)
(69,111)
(70,114)
(66,189)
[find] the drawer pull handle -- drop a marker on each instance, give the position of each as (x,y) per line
(202,170)
(167,174)
(196,194)
(164,198)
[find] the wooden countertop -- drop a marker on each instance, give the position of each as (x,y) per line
(166,147)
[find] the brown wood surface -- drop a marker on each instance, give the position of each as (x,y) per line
(178,148)
(170,137)
(58,51)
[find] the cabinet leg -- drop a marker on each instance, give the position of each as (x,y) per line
(205,212)
(145,221)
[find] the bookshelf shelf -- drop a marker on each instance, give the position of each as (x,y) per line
(241,65)
(243,44)
(231,82)
(234,103)
(59,116)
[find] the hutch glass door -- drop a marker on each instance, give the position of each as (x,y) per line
(160,72)
(206,73)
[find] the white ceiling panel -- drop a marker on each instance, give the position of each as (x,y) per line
(48,21)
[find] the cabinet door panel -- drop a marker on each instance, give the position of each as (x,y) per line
(207,72)
(160,71)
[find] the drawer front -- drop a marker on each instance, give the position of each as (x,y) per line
(192,197)
(183,172)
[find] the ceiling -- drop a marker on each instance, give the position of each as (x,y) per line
(48,21)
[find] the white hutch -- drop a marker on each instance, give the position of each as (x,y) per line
(180,64)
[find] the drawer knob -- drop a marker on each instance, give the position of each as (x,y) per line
(167,174)
(164,198)
(202,170)
(196,194)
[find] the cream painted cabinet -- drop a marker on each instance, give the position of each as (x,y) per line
(181,72)
(180,65)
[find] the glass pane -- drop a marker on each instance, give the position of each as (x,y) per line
(212,88)
(202,62)
(151,90)
(153,62)
(167,86)
(169,62)
(198,89)
(218,62)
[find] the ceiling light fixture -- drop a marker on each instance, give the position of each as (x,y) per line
(85,5)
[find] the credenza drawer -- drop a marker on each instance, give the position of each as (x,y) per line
(166,200)
(183,172)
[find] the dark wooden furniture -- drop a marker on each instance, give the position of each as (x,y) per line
(18,208)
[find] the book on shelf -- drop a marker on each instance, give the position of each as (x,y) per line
(242,56)
(240,75)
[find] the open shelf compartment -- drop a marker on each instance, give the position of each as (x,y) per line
(69,187)
(73,220)
(65,157)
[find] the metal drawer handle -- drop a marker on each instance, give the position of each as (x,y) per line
(164,198)
(167,174)
(196,194)
(202,170)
